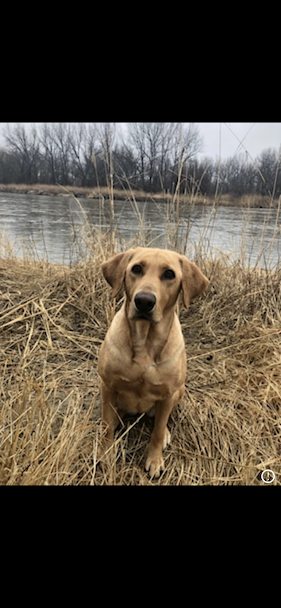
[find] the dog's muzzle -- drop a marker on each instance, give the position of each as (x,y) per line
(144,303)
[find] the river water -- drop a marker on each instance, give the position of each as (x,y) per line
(50,226)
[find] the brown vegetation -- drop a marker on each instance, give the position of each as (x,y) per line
(248,201)
(53,318)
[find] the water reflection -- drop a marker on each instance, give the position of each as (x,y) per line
(49,225)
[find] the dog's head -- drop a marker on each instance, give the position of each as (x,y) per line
(153,279)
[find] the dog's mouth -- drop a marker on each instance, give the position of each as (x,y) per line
(149,317)
(141,316)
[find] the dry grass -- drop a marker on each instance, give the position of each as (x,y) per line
(248,201)
(53,319)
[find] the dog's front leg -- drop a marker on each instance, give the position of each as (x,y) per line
(160,436)
(110,418)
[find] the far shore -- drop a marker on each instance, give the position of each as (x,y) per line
(247,200)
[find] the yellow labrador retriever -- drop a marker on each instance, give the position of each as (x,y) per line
(142,361)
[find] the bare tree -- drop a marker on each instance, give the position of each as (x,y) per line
(49,152)
(55,142)
(82,138)
(60,134)
(161,148)
(186,144)
(268,168)
(106,133)
(24,145)
(137,139)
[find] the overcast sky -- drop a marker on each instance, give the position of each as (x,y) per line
(225,137)
(222,139)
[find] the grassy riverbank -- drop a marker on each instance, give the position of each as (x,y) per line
(53,318)
(251,201)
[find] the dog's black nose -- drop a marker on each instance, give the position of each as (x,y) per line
(145,301)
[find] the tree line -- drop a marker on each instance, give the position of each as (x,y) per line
(154,157)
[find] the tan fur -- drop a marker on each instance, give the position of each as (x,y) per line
(142,363)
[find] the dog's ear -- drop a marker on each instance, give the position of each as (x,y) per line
(115,268)
(194,281)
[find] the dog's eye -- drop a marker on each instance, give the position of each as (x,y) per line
(169,274)
(137,269)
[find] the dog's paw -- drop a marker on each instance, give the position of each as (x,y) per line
(154,464)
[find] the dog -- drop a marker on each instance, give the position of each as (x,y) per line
(142,361)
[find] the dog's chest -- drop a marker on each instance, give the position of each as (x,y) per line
(145,386)
(144,371)
(152,376)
